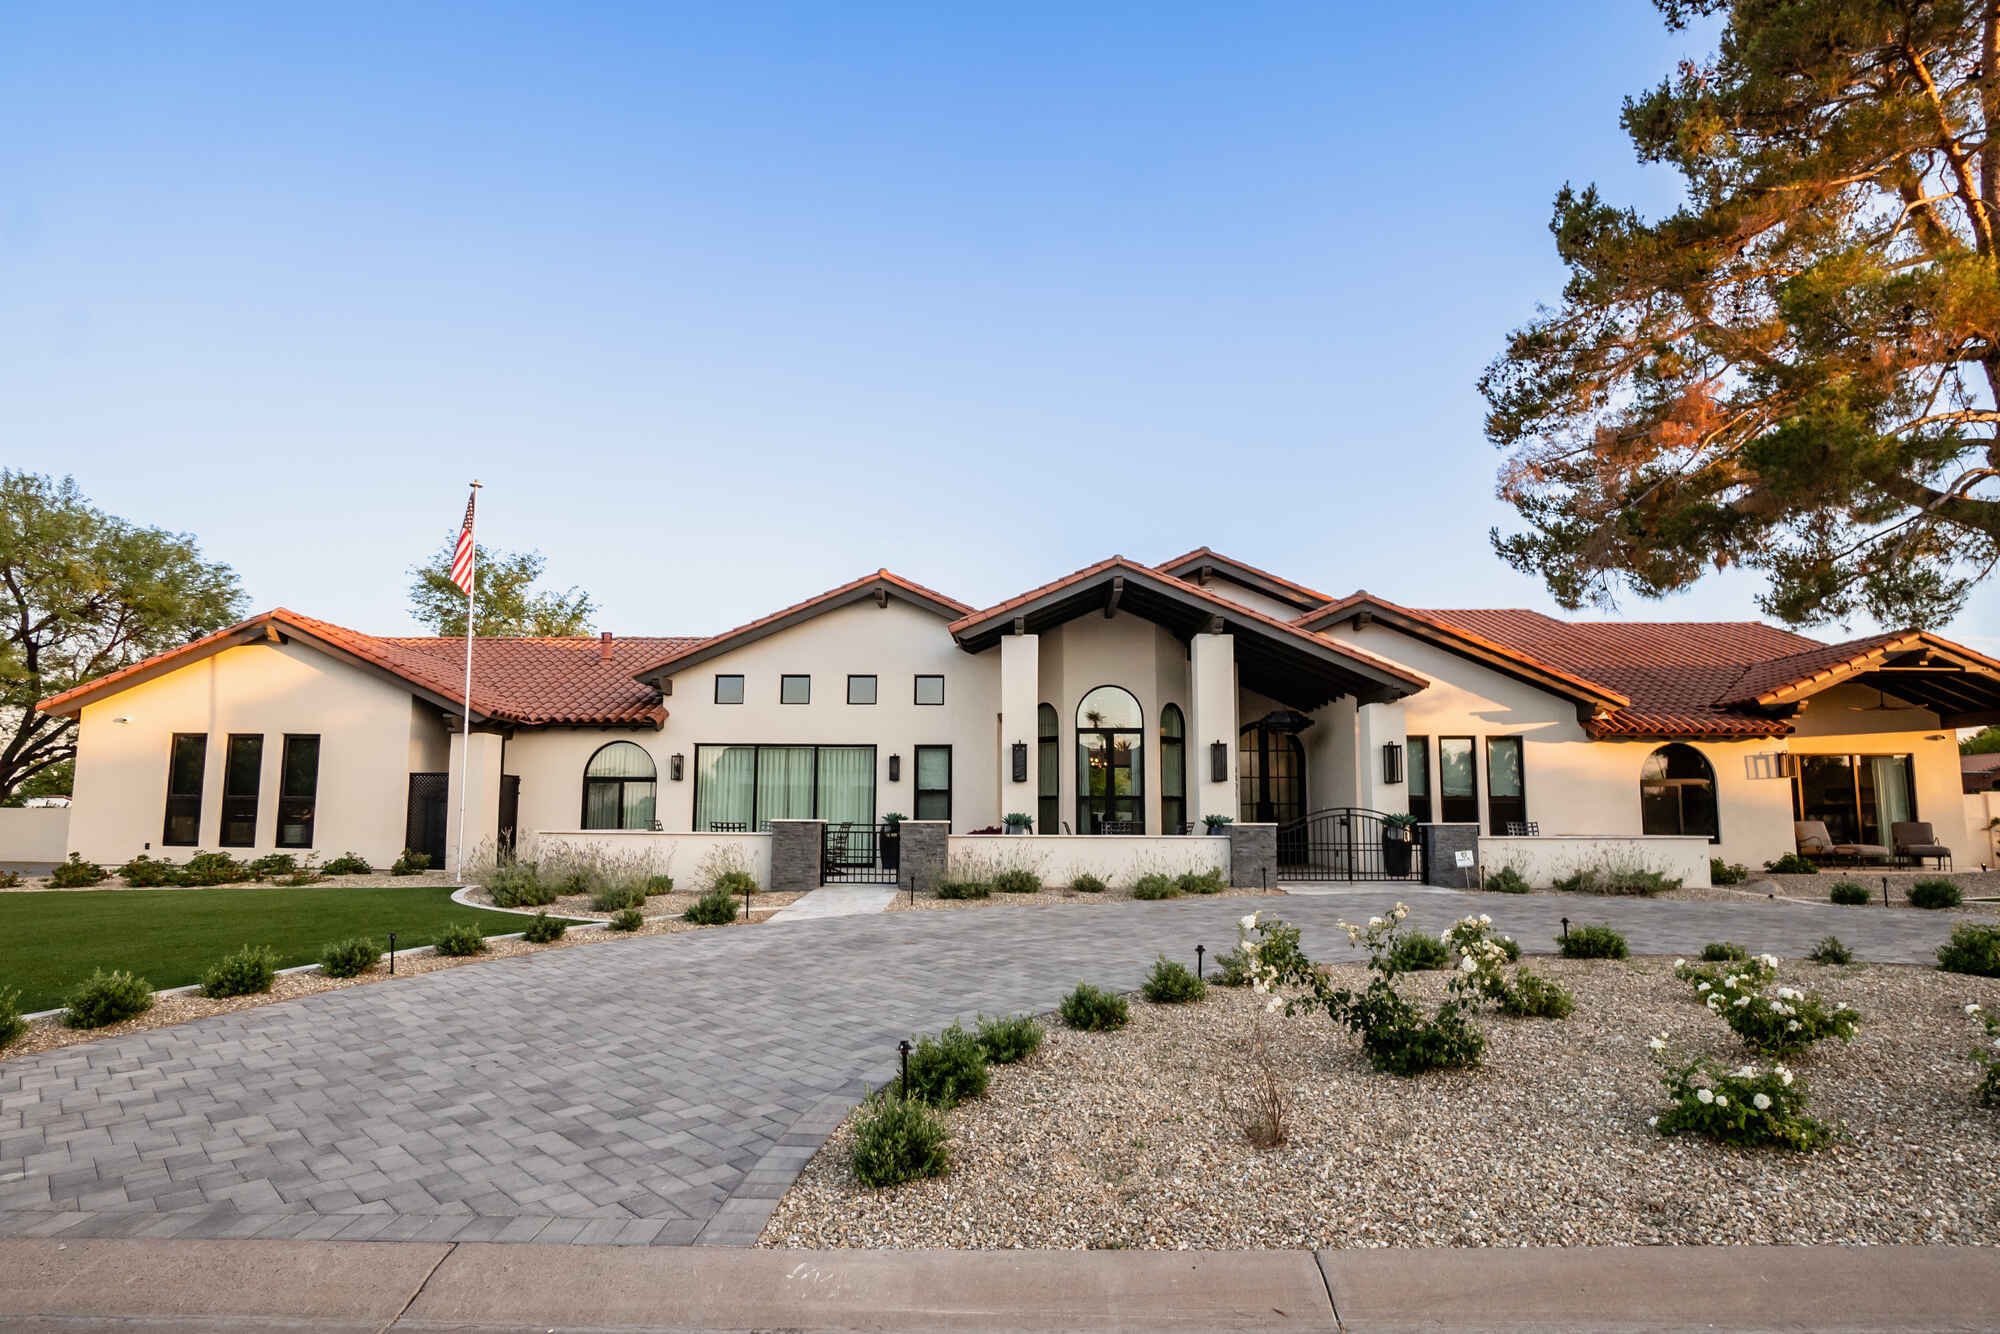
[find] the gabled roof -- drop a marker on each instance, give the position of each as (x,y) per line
(1928,671)
(1191,565)
(880,586)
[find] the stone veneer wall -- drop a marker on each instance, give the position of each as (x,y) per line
(1441,843)
(926,852)
(1253,855)
(795,855)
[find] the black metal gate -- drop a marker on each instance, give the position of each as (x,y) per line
(1348,843)
(423,825)
(858,854)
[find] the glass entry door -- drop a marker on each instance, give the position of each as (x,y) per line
(1108,781)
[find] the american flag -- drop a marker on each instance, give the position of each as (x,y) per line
(461,558)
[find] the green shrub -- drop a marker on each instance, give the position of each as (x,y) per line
(1092,1010)
(10,879)
(1748,1108)
(627,919)
(715,908)
(1534,997)
(1418,953)
(1008,1040)
(1935,893)
(738,883)
(272,865)
(12,1025)
(1784,1023)
(659,884)
(1617,880)
(213,868)
(1398,1039)
(1986,1092)
(1507,880)
(458,940)
(1510,947)
(620,898)
(542,928)
(349,958)
(1831,950)
(1851,893)
(1721,872)
(1088,884)
(1593,942)
(574,883)
(349,864)
(76,873)
(1156,885)
(1017,880)
(1724,951)
(946,1070)
(1791,864)
(411,862)
(247,972)
(898,1140)
(307,873)
(1171,983)
(1972,949)
(1232,969)
(519,885)
(144,872)
(105,998)
(963,889)
(1211,881)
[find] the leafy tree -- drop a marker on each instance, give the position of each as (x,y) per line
(508,603)
(83,593)
(1983,742)
(1797,370)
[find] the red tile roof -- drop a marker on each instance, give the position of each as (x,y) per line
(1223,562)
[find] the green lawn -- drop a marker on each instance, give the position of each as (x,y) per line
(50,941)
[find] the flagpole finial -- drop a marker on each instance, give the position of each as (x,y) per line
(475,484)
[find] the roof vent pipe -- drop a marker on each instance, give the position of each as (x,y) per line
(604,647)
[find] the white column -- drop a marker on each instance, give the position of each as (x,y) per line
(1343,740)
(482,811)
(1211,718)
(1020,693)
(1378,725)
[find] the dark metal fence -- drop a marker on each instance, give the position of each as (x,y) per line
(859,854)
(1348,843)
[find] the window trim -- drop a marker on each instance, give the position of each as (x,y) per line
(917,690)
(311,799)
(167,839)
(254,796)
(874,692)
(1472,753)
(1178,745)
(1714,792)
(1496,826)
(737,677)
(694,787)
(786,678)
(583,815)
(917,789)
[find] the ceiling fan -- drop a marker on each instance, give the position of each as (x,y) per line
(1882,705)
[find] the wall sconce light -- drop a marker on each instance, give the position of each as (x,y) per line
(895,768)
(1020,761)
(676,767)
(1392,761)
(1218,762)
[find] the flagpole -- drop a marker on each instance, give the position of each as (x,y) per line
(465,757)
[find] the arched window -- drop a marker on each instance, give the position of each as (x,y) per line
(618,787)
(1048,765)
(1110,763)
(1173,770)
(1677,793)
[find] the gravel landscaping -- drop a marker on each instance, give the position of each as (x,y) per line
(1119,1139)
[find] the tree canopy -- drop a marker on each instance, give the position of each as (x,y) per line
(83,593)
(509,604)
(1797,370)
(1983,742)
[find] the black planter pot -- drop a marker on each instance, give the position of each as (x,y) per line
(892,848)
(1395,856)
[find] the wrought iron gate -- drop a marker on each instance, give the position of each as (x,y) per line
(423,821)
(1348,843)
(859,854)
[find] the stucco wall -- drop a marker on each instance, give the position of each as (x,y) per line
(363,722)
(1090,651)
(1981,808)
(682,856)
(1543,860)
(33,835)
(1118,859)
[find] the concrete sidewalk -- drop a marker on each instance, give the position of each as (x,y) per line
(49,1285)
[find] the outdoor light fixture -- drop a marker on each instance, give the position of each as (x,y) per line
(1218,762)
(1392,761)
(1020,761)
(895,768)
(676,767)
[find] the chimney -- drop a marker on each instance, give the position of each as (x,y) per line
(604,647)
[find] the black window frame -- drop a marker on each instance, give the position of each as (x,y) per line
(583,817)
(1679,787)
(1503,811)
(290,802)
(240,807)
(185,805)
(874,691)
(917,690)
(1048,765)
(1173,754)
(1417,752)
(694,788)
(784,682)
(1465,809)
(737,677)
(917,789)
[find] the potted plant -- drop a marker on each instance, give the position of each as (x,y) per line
(1217,824)
(1398,838)
(1018,823)
(892,841)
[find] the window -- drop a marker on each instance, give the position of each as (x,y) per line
(1173,771)
(1048,766)
(728,689)
(933,782)
(795,689)
(1858,797)
(860,690)
(1458,780)
(1506,791)
(1677,793)
(187,757)
(298,791)
(619,785)
(742,788)
(242,775)
(1270,777)
(1110,762)
(1420,778)
(930,690)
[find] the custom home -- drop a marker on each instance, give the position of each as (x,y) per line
(1123,700)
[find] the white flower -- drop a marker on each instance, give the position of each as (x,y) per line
(1484,920)
(1770,961)
(1972,1009)
(1247,923)
(1680,964)
(1747,1072)
(1273,1005)
(1704,1095)
(1703,987)
(1791,1025)
(1466,965)
(1653,1121)
(1721,1100)
(1762,1102)
(1658,1043)
(1784,1076)
(1742,1001)
(1374,921)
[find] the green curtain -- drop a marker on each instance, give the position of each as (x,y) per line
(847,784)
(1892,791)
(784,784)
(723,786)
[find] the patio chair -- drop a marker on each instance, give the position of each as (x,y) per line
(1816,844)
(1118,827)
(1524,829)
(1917,843)
(727,827)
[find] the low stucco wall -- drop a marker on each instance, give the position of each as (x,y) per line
(34,834)
(679,855)
(1119,859)
(1544,860)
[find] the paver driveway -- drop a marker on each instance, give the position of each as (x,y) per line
(665,1089)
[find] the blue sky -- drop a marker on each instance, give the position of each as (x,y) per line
(728,305)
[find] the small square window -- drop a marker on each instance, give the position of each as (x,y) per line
(930,690)
(728,690)
(795,689)
(860,690)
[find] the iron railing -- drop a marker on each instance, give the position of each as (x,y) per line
(1348,843)
(859,854)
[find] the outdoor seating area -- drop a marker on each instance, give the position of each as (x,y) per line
(1914,843)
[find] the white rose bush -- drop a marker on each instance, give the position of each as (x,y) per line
(1706,977)
(1484,957)
(1987,1093)
(1751,1106)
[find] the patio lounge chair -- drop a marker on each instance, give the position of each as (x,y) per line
(1917,843)
(1818,845)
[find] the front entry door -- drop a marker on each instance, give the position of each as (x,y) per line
(1107,787)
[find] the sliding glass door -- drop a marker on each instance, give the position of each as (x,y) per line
(1858,797)
(743,788)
